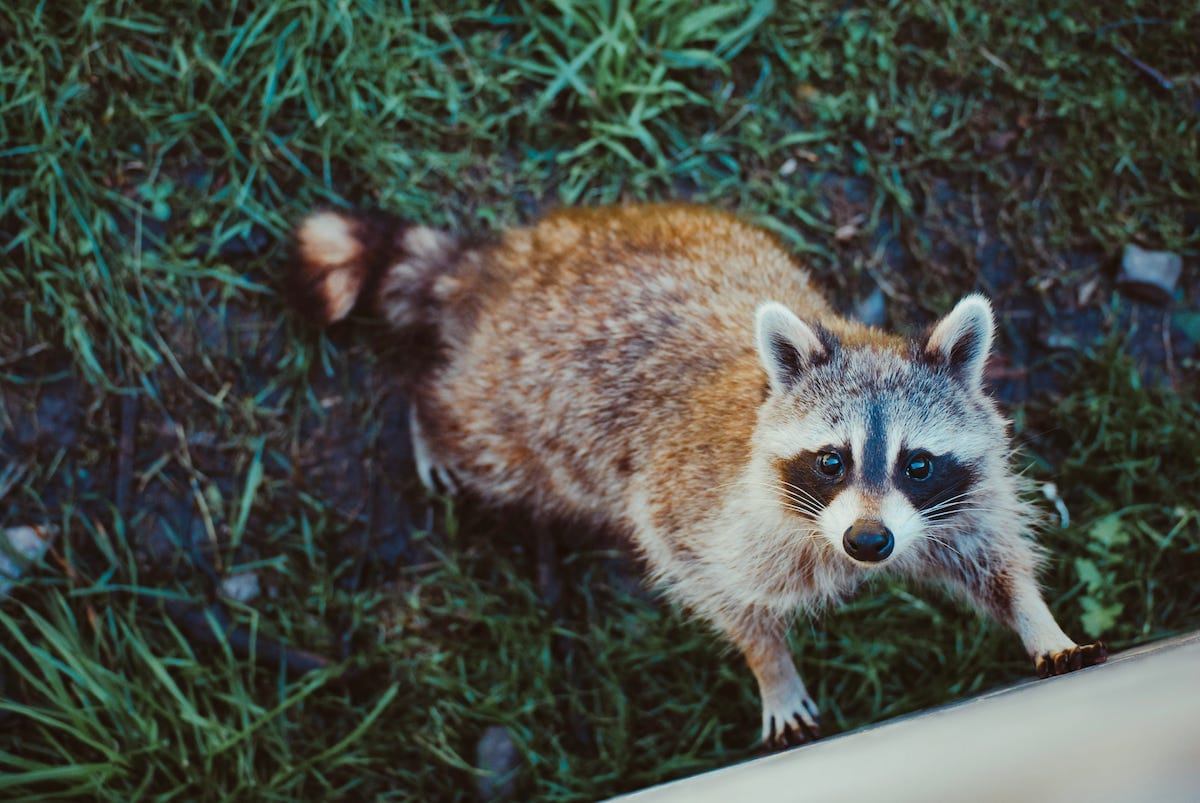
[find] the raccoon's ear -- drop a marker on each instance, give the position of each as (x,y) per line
(960,342)
(787,346)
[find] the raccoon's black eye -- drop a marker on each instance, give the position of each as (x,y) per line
(830,464)
(920,467)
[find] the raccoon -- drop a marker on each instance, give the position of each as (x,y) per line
(668,372)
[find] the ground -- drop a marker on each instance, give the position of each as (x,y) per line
(179,428)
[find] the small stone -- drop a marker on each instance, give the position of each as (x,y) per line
(998,142)
(1087,291)
(1149,275)
(872,310)
(850,229)
(497,756)
(20,547)
(241,587)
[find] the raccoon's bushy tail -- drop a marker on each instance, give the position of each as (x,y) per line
(371,260)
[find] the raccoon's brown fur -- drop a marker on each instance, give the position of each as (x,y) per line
(621,366)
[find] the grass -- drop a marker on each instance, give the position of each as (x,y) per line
(152,161)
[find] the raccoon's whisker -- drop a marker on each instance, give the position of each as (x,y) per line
(943,527)
(958,508)
(1032,437)
(799,490)
(949,510)
(809,514)
(949,507)
(742,482)
(946,530)
(794,504)
(958,511)
(941,542)
(938,511)
(797,498)
(954,506)
(807,501)
(793,487)
(950,500)
(813,535)
(957,496)
(802,504)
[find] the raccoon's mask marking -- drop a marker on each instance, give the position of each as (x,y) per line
(881,437)
(807,478)
(947,478)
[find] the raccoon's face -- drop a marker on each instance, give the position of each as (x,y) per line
(877,451)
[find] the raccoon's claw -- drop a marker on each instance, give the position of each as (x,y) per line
(434,477)
(1070,659)
(793,732)
(799,728)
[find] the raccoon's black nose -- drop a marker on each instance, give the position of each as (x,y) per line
(868,541)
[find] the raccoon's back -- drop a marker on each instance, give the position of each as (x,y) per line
(609,348)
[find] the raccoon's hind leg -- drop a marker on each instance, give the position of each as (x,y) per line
(431,473)
(406,273)
(789,715)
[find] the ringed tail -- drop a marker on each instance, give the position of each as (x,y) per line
(371,261)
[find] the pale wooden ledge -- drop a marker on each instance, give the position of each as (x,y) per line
(1128,730)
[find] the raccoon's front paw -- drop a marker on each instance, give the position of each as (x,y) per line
(792,723)
(1070,659)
